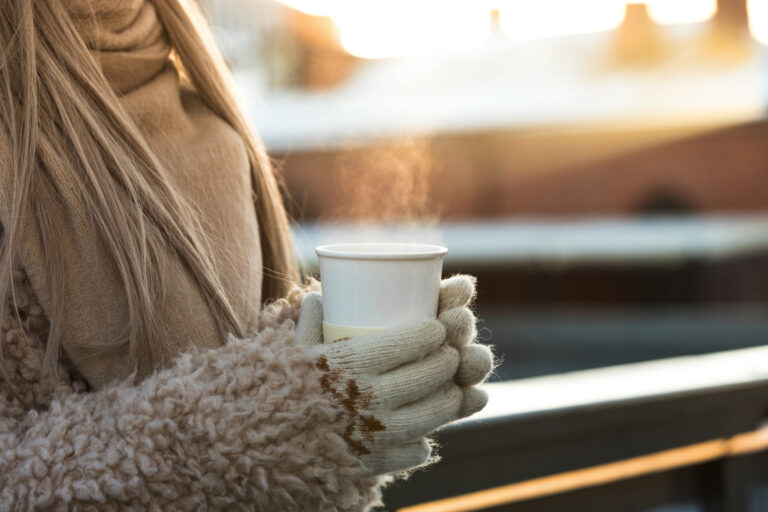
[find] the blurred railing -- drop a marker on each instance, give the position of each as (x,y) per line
(565,296)
(549,242)
(678,434)
(682,434)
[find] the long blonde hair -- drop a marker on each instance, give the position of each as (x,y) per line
(59,112)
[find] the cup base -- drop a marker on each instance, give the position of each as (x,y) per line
(333,332)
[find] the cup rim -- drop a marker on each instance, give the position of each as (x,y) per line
(381,251)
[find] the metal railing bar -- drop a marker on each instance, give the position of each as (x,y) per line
(707,451)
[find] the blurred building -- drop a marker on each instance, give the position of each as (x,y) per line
(284,47)
(608,188)
(634,121)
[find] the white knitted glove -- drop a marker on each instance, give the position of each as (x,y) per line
(400,384)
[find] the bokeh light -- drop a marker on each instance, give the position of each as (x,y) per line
(398,27)
(673,12)
(379,29)
(521,19)
(758,20)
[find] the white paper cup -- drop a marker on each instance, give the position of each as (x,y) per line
(368,287)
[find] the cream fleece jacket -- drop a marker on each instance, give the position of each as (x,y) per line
(243,427)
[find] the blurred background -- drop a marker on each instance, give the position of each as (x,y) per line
(600,165)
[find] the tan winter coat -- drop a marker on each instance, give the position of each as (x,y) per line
(231,424)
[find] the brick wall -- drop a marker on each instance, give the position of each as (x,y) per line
(505,174)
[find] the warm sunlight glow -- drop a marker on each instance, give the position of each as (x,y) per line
(671,12)
(758,19)
(398,27)
(525,19)
(315,7)
(388,28)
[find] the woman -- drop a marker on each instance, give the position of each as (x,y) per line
(142,232)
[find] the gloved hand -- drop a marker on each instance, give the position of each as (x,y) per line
(400,384)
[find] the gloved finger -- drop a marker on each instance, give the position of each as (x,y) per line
(379,352)
(459,325)
(417,419)
(475,399)
(457,291)
(476,362)
(309,331)
(416,380)
(399,458)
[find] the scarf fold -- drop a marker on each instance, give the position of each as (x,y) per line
(125,37)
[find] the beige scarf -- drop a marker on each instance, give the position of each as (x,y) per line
(205,159)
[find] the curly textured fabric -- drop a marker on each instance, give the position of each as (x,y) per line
(243,427)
